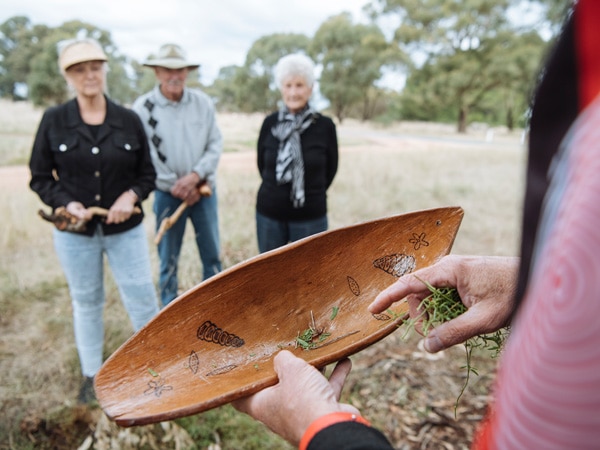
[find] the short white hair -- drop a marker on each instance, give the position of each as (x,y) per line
(296,64)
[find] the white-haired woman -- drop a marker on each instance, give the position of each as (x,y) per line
(91,152)
(297,160)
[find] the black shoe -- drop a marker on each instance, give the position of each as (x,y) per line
(86,392)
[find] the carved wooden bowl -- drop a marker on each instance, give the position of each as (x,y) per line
(216,342)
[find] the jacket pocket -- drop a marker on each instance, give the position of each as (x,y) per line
(127,142)
(63,143)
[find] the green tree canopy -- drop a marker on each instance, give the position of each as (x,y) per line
(20,41)
(352,57)
(251,88)
(469,48)
(29,58)
(463,60)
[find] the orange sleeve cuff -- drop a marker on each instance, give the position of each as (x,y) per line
(483,436)
(327,420)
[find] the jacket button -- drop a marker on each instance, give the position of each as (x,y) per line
(97,197)
(62,147)
(97,173)
(95,150)
(127,147)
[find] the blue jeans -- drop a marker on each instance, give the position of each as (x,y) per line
(204,217)
(82,260)
(272,234)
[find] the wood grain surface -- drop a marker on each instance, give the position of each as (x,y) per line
(216,342)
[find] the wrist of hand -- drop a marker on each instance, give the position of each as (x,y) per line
(327,420)
(133,195)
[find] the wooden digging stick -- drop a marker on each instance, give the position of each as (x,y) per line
(167,222)
(99,211)
(63,220)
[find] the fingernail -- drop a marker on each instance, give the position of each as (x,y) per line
(432,343)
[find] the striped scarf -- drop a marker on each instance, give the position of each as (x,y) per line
(290,164)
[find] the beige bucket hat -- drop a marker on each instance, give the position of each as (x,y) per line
(78,51)
(170,56)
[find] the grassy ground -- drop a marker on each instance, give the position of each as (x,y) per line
(383,171)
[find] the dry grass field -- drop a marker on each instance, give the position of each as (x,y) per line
(383,171)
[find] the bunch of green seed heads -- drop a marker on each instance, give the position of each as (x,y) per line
(445,304)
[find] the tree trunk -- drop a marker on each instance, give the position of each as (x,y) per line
(339,113)
(510,120)
(462,119)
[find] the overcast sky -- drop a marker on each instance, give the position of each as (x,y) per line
(214,33)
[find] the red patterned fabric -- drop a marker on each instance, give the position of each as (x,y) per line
(587,36)
(548,386)
(548,392)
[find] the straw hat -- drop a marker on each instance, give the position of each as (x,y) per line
(170,56)
(80,51)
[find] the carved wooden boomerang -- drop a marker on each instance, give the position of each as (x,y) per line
(216,342)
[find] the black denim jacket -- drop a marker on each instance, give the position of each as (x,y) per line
(68,163)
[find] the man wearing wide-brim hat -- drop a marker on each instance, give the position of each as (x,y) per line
(186,146)
(170,56)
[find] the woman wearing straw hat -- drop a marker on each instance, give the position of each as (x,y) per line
(91,152)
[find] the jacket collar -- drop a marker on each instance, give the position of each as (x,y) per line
(75,122)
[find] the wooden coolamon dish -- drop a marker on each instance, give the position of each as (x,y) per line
(216,342)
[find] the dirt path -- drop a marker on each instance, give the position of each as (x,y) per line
(352,136)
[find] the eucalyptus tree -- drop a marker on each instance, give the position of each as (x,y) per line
(28,61)
(223,89)
(352,57)
(464,50)
(20,41)
(254,87)
(494,83)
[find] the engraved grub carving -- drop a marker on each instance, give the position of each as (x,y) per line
(210,332)
(397,264)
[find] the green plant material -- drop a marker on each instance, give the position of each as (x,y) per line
(393,314)
(445,304)
(152,372)
(442,305)
(334,312)
(312,336)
